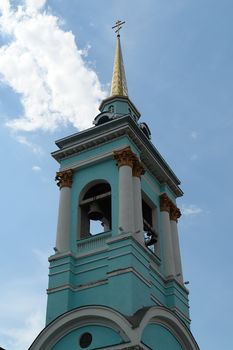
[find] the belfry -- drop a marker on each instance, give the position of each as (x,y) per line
(115,279)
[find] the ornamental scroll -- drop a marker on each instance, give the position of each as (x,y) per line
(167,205)
(64,178)
(125,156)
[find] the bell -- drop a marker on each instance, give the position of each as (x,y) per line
(95,213)
(152,240)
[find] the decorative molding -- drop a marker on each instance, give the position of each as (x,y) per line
(167,205)
(175,213)
(64,178)
(77,288)
(125,156)
(138,168)
(155,300)
(181,314)
(121,127)
(129,270)
(92,243)
(168,318)
(81,317)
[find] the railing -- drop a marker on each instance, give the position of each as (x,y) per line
(94,242)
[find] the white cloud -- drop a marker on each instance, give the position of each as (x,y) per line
(34,148)
(4,6)
(36,168)
(190,210)
(22,305)
(34,5)
(43,64)
(21,338)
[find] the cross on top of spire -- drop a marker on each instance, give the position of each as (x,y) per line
(118,27)
(119,84)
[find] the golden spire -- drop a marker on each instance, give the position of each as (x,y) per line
(119,84)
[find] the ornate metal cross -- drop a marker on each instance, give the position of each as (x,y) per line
(118,27)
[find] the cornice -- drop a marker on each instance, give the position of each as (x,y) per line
(105,133)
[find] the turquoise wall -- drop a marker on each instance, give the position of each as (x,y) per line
(158,337)
(101,337)
(90,154)
(120,274)
(120,107)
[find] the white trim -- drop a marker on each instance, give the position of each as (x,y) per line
(155,299)
(127,270)
(81,317)
(161,315)
(108,317)
(79,287)
(61,256)
(79,272)
(181,314)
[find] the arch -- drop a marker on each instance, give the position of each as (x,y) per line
(94,208)
(89,185)
(166,318)
(145,129)
(104,117)
(77,318)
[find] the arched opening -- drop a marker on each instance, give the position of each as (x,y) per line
(95,210)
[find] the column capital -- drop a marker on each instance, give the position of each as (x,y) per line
(64,178)
(165,202)
(125,156)
(175,213)
(138,169)
(167,205)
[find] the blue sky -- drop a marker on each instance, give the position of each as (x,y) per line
(56,61)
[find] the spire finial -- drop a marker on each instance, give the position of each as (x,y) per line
(119,84)
(118,27)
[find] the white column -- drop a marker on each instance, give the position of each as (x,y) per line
(126,215)
(174,215)
(64,179)
(138,170)
(125,159)
(167,239)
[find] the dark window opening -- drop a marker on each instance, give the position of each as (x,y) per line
(85,340)
(150,233)
(111,109)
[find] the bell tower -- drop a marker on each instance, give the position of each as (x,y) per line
(115,279)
